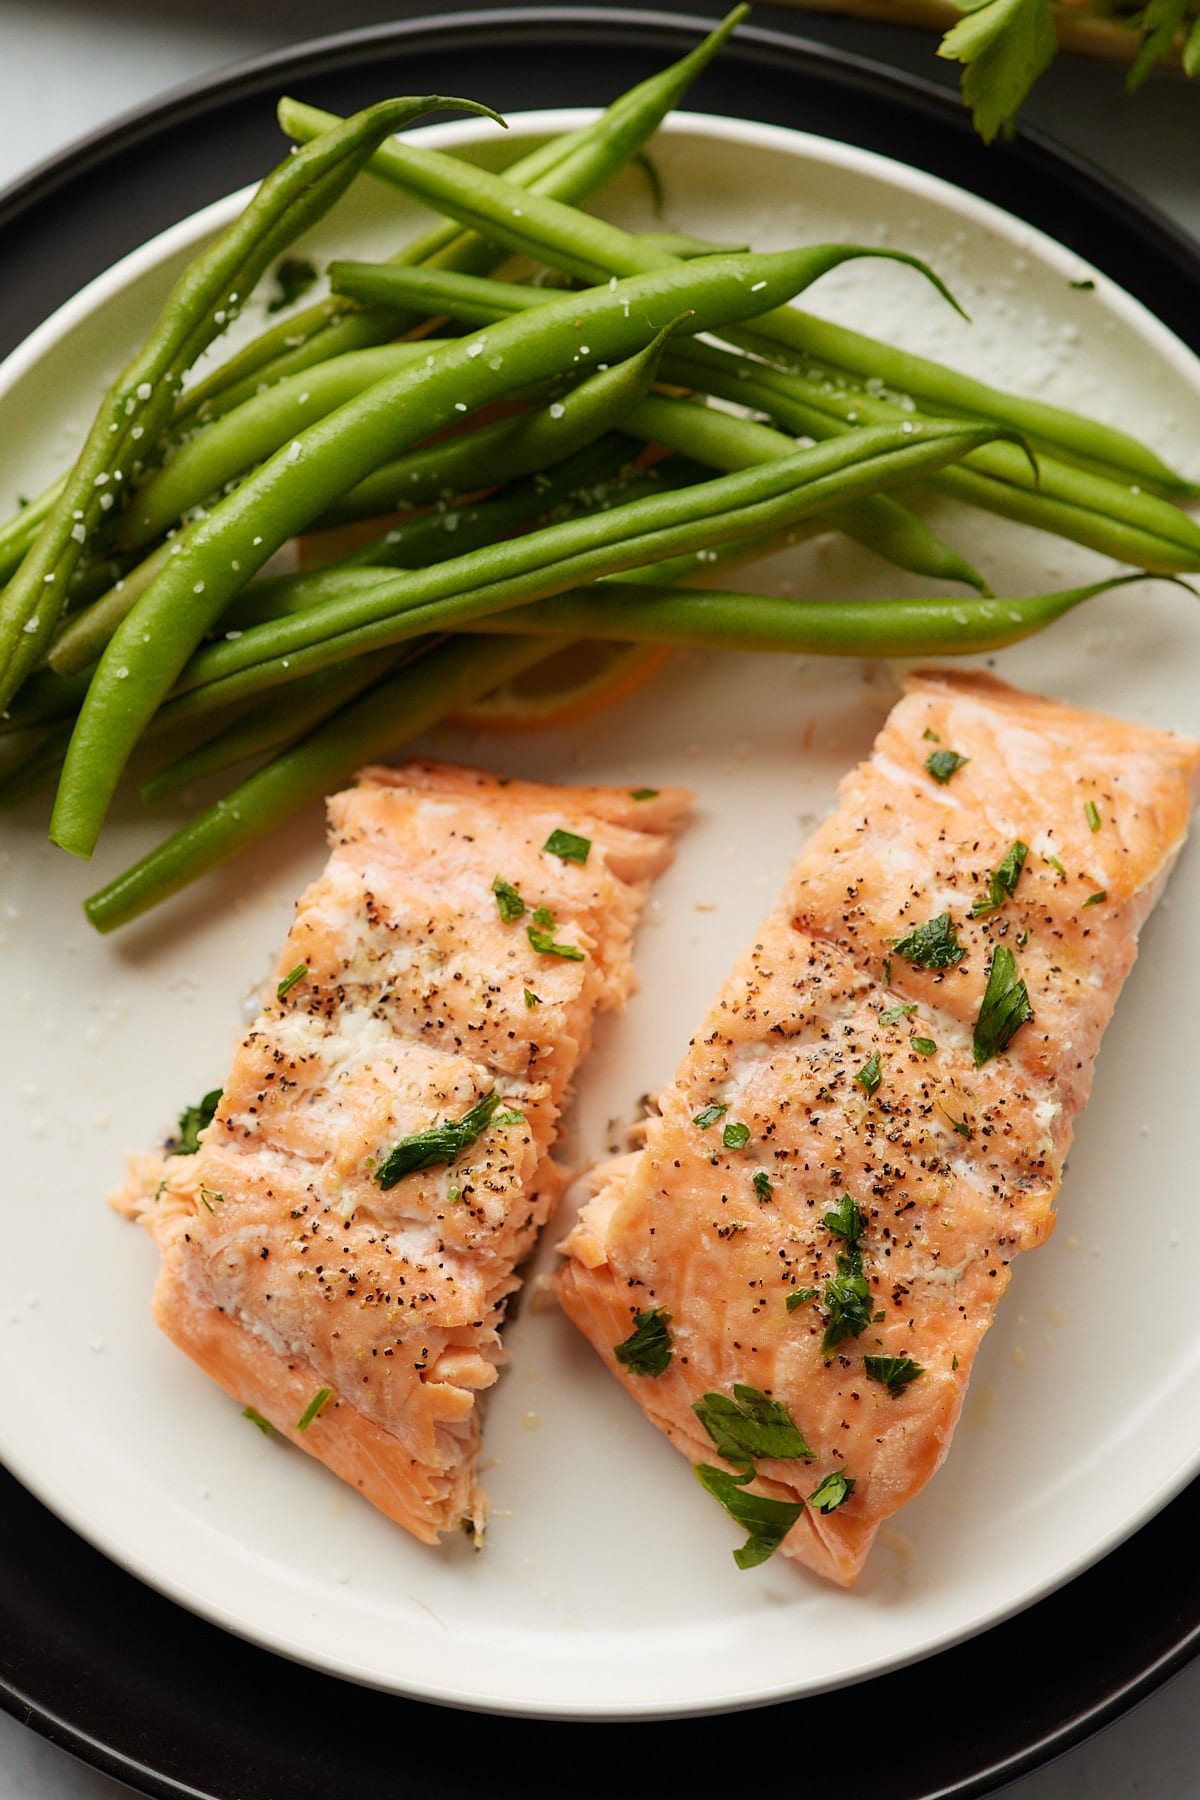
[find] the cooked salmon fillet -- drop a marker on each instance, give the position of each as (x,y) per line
(873,1118)
(349,1291)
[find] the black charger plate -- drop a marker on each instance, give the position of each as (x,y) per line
(130,1682)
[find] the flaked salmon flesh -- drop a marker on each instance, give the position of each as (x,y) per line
(857,1096)
(359,1319)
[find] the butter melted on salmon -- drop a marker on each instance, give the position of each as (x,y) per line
(422,993)
(866,1130)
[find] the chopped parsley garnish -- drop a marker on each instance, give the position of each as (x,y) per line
(1057,867)
(890,1014)
(1096,898)
(846,1221)
(847,1294)
(942,764)
(835,1489)
(541,936)
(532,999)
(256,1418)
(887,971)
(933,945)
(568,845)
(512,1117)
(736,1136)
(923,1046)
(930,736)
(800,1298)
(749,1426)
(643,793)
(892,1372)
(1004,1008)
(1085,286)
(509,903)
(438,1144)
(762,1184)
(1002,884)
(766,1521)
(290,979)
(708,1115)
(1091,813)
(192,1121)
(869,1077)
(312,1409)
(293,277)
(847,1301)
(648,1349)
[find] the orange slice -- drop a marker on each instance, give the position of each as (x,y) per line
(571,684)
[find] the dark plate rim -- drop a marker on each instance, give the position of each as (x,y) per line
(1170,1643)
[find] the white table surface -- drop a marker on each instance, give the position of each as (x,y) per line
(68,66)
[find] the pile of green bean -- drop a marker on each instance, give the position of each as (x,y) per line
(543,462)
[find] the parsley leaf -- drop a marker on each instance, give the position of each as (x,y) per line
(1004,1008)
(192,1121)
(437,1144)
(1005,45)
(736,1136)
(290,979)
(847,1301)
(766,1521)
(543,942)
(1096,899)
(256,1418)
(833,1491)
(890,1014)
(532,999)
(933,945)
(799,1298)
(894,1372)
(293,277)
(1091,813)
(846,1221)
(750,1425)
(509,903)
(568,845)
(847,1294)
(708,1115)
(923,1046)
(643,793)
(1003,881)
(648,1349)
(762,1184)
(1159,24)
(869,1077)
(312,1409)
(942,764)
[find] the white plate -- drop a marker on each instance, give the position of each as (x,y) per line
(607,1587)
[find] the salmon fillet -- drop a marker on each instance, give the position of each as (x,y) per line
(345,1282)
(873,1118)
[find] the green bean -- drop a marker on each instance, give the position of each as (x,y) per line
(382,608)
(235,442)
(570,168)
(376,725)
(583,248)
(520,445)
(724,441)
(305,705)
(946,391)
(138,404)
(714,618)
(1075,503)
(18,533)
(223,550)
